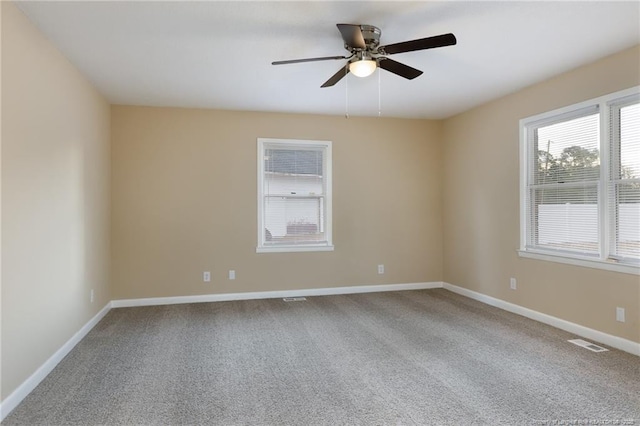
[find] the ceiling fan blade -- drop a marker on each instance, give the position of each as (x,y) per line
(419,44)
(352,35)
(400,69)
(337,76)
(296,61)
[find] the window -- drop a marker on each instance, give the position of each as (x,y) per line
(294,195)
(580,183)
(624,181)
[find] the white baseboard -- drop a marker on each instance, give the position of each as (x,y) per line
(224,297)
(582,331)
(16,397)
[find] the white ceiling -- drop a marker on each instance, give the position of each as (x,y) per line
(219,54)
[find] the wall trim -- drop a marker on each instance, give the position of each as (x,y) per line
(580,330)
(16,397)
(225,297)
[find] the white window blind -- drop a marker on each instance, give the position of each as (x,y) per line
(624,183)
(294,195)
(564,183)
(580,183)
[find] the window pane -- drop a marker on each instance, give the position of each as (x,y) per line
(293,172)
(566,218)
(627,229)
(626,193)
(568,151)
(293,220)
(293,187)
(630,142)
(294,161)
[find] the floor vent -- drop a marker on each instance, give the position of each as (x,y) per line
(294,299)
(588,345)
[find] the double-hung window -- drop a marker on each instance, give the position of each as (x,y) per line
(580,183)
(294,195)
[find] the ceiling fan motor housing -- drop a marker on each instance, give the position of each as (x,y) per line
(371,36)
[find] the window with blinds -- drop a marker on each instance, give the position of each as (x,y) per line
(580,181)
(624,181)
(294,195)
(564,183)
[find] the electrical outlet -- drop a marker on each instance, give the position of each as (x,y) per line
(513,283)
(232,274)
(206,276)
(380,269)
(620,314)
(91,296)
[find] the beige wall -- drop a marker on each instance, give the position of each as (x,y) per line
(481,206)
(55,199)
(184,185)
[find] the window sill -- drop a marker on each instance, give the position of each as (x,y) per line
(577,261)
(293,249)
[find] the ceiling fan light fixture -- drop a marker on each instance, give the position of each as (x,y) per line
(363,67)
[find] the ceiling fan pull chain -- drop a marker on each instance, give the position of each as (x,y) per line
(379,96)
(346,93)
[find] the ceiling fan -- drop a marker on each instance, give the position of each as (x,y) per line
(362,41)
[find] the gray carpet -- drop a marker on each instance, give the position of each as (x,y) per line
(401,358)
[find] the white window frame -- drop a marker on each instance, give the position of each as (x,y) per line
(325,146)
(605,260)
